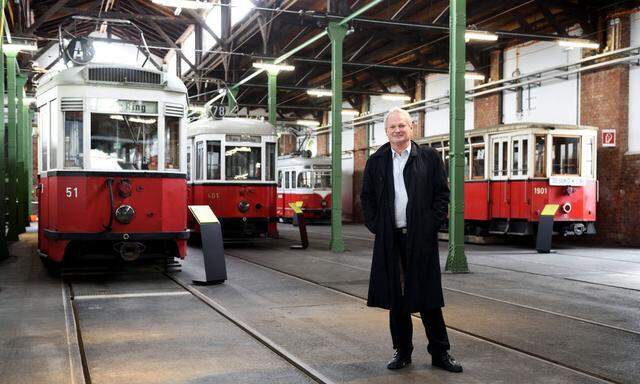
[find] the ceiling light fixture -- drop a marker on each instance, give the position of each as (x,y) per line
(319,92)
(350,112)
(479,35)
(578,43)
(20,47)
(270,67)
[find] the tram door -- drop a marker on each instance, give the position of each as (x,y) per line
(519,193)
(500,190)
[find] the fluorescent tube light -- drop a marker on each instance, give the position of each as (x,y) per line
(480,35)
(578,43)
(20,47)
(274,67)
(319,92)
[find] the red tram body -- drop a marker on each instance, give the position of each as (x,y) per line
(308,180)
(234,173)
(513,171)
(112,178)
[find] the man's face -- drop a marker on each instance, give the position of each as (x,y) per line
(399,129)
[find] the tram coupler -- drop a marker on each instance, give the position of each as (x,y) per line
(299,217)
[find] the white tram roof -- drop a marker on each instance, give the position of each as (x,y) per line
(230,125)
(514,127)
(296,161)
(79,75)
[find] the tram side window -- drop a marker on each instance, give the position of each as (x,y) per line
(286,180)
(199,158)
(172,142)
(293,179)
(466,163)
(53,136)
(322,180)
(304,179)
(540,160)
(279,179)
(73,157)
(43,116)
(500,158)
(213,160)
(243,163)
(270,169)
(124,142)
(188,162)
(565,155)
(477,170)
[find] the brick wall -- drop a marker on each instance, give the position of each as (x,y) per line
(488,109)
(322,142)
(604,103)
(286,144)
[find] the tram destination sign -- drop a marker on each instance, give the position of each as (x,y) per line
(123,106)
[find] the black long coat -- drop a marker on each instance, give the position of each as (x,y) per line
(428,199)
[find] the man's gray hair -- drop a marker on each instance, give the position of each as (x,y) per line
(402,112)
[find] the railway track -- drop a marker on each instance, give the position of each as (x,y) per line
(80,372)
(577,370)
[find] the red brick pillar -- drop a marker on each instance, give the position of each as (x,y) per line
(322,140)
(286,143)
(488,108)
(418,129)
(604,103)
(360,146)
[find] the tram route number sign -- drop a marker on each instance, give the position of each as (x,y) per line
(80,50)
(608,137)
(218,111)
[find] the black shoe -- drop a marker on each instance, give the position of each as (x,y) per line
(446,362)
(400,360)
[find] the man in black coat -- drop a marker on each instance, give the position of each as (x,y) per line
(405,199)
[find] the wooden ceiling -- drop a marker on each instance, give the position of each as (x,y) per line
(394,43)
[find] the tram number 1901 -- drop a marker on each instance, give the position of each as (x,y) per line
(71,192)
(540,190)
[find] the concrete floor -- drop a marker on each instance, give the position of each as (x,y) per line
(568,317)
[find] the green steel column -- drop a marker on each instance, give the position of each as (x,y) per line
(456,259)
(4,252)
(12,146)
(21,185)
(272,95)
(337,32)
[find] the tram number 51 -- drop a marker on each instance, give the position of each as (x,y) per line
(540,190)
(71,192)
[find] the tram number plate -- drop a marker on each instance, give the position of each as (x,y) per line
(218,110)
(71,192)
(213,195)
(540,190)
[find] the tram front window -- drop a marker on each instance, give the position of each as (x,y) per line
(565,155)
(124,142)
(304,179)
(243,163)
(322,180)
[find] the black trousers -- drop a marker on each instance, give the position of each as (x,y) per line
(400,322)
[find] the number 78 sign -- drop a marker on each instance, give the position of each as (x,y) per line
(608,137)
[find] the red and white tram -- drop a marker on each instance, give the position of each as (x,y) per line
(512,171)
(308,180)
(112,169)
(233,171)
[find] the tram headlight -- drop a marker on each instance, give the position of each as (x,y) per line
(243,206)
(323,203)
(125,213)
(566,207)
